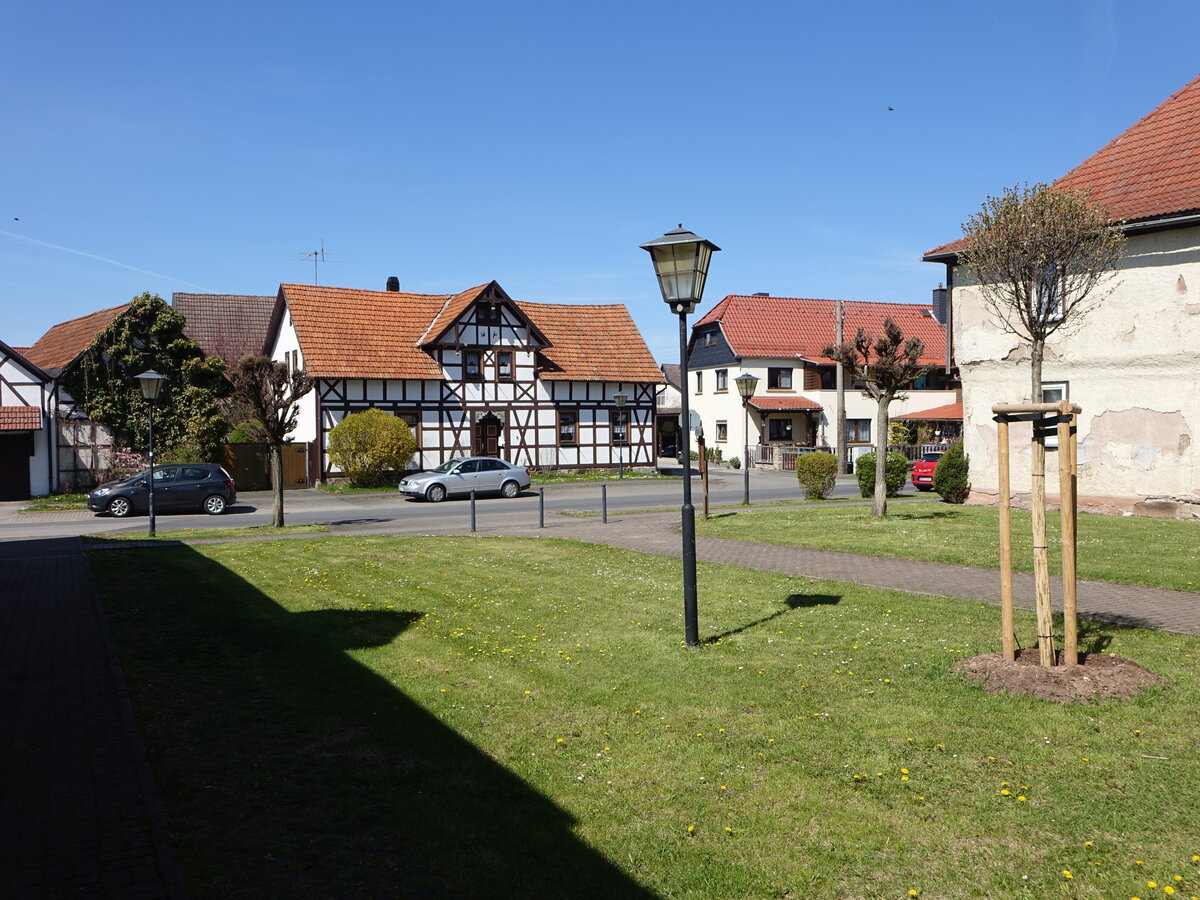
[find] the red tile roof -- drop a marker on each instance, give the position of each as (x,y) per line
(1148,171)
(226,325)
(351,333)
(785,327)
(938,413)
(771,404)
(58,347)
(20,418)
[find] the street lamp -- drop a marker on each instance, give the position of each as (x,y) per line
(746,383)
(621,400)
(681,265)
(151,384)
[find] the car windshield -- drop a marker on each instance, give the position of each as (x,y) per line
(447,466)
(931,457)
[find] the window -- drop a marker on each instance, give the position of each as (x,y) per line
(620,427)
(858,431)
(779,379)
(828,377)
(504,371)
(779,429)
(708,339)
(722,379)
(471,371)
(567,422)
(488,314)
(699,382)
(722,431)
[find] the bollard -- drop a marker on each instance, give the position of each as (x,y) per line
(472,510)
(541,507)
(604,503)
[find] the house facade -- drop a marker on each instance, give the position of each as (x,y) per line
(26,426)
(1133,363)
(779,340)
(473,373)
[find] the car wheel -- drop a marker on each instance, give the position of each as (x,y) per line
(510,489)
(119,507)
(214,505)
(435,494)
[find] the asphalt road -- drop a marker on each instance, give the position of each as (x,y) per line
(389,512)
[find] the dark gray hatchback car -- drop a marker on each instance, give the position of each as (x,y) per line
(177,486)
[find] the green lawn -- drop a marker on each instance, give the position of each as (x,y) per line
(195,534)
(500,717)
(1129,550)
(56,501)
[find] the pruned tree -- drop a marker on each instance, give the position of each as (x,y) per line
(1043,259)
(268,393)
(884,366)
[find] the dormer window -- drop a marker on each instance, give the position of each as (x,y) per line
(488,314)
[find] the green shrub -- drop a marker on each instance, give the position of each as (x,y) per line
(895,474)
(368,445)
(735,462)
(951,478)
(817,474)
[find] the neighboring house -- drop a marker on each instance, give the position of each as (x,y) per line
(472,373)
(26,423)
(226,325)
(1133,363)
(668,407)
(79,447)
(779,341)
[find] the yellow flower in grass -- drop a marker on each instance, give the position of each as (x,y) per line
(913,892)
(691,829)
(1067,874)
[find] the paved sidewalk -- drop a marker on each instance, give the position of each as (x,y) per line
(79,815)
(658,533)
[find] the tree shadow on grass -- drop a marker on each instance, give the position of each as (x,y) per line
(791,603)
(290,770)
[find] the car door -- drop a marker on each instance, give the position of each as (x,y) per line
(491,475)
(186,490)
(465,480)
(164,493)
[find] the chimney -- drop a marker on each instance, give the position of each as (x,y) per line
(393,283)
(941,298)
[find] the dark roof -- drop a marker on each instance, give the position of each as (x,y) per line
(784,327)
(671,373)
(226,325)
(62,344)
(1151,170)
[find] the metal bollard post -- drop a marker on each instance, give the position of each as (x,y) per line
(541,507)
(472,510)
(604,503)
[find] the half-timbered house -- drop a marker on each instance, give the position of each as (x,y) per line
(473,373)
(26,417)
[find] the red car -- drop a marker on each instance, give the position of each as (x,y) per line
(922,473)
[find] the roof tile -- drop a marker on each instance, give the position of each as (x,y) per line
(58,347)
(20,418)
(226,325)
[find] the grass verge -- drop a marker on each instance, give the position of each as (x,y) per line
(187,534)
(500,717)
(56,501)
(1123,549)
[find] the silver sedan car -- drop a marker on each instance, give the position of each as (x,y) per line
(482,474)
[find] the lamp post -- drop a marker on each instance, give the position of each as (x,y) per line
(681,264)
(151,384)
(620,400)
(746,383)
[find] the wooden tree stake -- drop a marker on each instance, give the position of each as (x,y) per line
(1006,578)
(1066,512)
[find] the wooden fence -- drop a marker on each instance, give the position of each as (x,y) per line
(250,466)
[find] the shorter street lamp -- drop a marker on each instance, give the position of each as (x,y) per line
(621,400)
(746,383)
(151,384)
(681,263)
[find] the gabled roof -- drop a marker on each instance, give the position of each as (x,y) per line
(20,355)
(351,333)
(790,327)
(1149,171)
(948,412)
(62,344)
(773,404)
(226,325)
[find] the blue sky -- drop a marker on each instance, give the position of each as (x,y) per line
(205,147)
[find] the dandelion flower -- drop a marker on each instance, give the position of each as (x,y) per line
(728,830)
(913,892)
(691,828)
(1087,843)
(1022,798)
(559,740)
(1067,874)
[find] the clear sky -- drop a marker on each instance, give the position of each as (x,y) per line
(206,146)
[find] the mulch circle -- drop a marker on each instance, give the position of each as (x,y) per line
(1098,676)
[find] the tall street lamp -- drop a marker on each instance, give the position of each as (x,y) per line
(620,400)
(746,383)
(681,265)
(151,384)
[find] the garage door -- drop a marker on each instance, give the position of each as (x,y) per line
(15,450)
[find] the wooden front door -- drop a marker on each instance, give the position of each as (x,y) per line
(488,431)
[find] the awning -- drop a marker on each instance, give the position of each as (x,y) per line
(20,418)
(784,404)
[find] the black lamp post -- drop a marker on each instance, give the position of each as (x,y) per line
(620,400)
(151,384)
(681,264)
(746,383)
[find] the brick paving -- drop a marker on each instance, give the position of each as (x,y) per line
(79,815)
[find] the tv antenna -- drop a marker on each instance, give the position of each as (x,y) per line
(317,256)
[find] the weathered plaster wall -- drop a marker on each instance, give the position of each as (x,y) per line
(1132,364)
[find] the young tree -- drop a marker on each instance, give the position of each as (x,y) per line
(268,392)
(1042,257)
(149,335)
(884,366)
